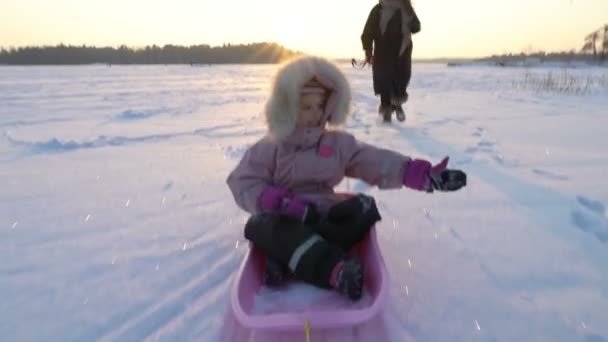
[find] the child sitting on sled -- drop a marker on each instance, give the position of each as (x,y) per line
(286,180)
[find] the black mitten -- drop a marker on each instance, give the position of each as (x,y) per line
(448,180)
(349,221)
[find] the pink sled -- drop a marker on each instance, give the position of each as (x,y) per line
(249,282)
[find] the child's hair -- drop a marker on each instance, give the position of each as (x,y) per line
(314,87)
(301,75)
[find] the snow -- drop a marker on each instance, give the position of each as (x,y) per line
(300,297)
(116,222)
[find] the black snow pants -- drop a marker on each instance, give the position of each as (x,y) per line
(311,250)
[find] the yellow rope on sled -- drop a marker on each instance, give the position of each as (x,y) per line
(307,329)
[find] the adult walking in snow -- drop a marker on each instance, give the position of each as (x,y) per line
(387,41)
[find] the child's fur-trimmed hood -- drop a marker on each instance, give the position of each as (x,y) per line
(282,107)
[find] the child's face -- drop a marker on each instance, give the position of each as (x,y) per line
(310,110)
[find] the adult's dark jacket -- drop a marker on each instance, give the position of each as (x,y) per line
(391,71)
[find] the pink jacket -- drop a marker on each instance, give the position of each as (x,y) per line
(310,162)
(313,167)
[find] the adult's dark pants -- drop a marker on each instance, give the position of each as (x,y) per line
(392,77)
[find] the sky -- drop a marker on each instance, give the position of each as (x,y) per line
(450,28)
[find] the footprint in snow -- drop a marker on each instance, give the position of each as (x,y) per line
(232,152)
(550,175)
(167,186)
(479,132)
(482,146)
(592,205)
(592,220)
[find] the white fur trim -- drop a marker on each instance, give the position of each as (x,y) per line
(282,106)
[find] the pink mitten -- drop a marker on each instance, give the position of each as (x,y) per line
(271,199)
(279,200)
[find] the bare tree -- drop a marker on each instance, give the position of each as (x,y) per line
(591,43)
(605,43)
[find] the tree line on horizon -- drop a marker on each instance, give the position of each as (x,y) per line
(255,53)
(595,49)
(561,56)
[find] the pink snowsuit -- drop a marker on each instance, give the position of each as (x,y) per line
(310,162)
(311,166)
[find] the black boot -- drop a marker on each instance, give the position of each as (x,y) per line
(399,113)
(275,273)
(350,279)
(385,111)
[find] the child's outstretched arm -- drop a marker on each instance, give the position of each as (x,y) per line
(391,170)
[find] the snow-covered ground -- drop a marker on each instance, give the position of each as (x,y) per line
(116,222)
